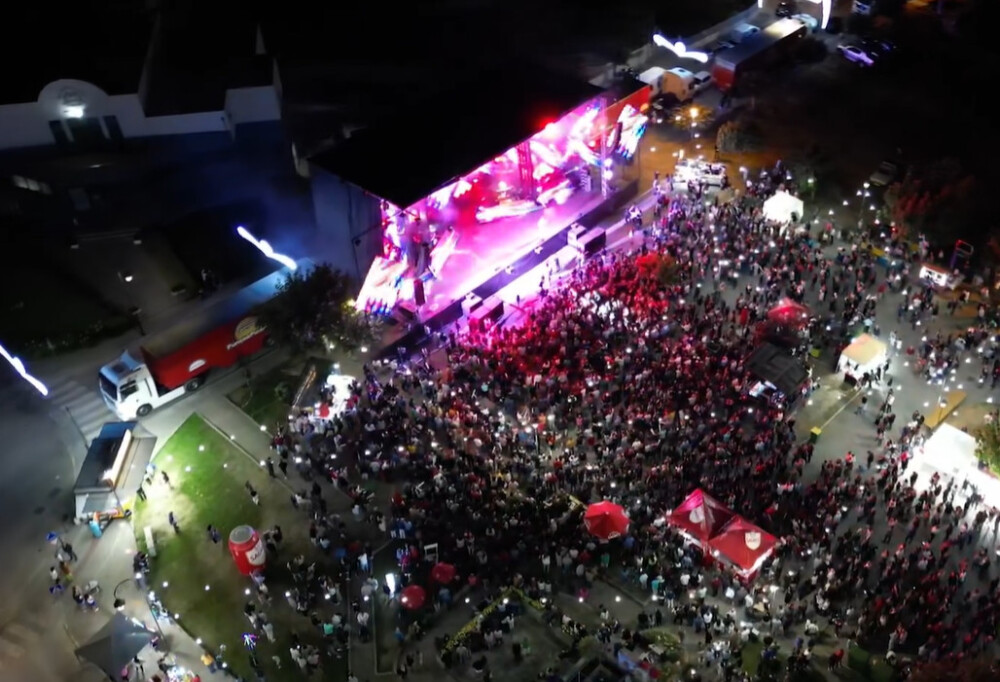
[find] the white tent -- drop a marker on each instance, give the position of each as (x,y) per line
(864,354)
(951,452)
(782,206)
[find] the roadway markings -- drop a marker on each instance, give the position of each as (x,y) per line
(83,404)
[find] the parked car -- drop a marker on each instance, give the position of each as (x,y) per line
(719,46)
(810,22)
(785,9)
(885,174)
(741,32)
(878,46)
(701,82)
(853,53)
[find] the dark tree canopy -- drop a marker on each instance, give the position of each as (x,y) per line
(314,311)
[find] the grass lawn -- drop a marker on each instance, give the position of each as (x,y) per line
(269,395)
(207,475)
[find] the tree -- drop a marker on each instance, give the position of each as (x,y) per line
(988,442)
(972,670)
(313,310)
(939,199)
(736,136)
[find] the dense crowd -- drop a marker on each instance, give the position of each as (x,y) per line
(627,381)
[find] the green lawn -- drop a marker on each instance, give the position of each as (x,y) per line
(268,397)
(207,475)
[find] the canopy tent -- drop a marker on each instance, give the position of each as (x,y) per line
(951,453)
(778,369)
(115,645)
(864,354)
(743,544)
(700,516)
(790,313)
(783,208)
(606,520)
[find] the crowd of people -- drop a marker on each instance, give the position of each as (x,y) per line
(629,385)
(627,381)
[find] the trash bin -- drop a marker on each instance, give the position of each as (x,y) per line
(814,434)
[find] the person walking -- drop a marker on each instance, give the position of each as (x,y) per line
(172,520)
(213,534)
(166,479)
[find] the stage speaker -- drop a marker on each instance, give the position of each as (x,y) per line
(405,313)
(592,242)
(576,230)
(418,292)
(470,303)
(491,310)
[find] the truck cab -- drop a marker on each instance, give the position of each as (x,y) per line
(130,390)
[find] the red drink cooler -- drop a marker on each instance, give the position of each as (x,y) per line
(247,549)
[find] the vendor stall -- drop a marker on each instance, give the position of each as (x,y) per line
(864,354)
(939,277)
(951,454)
(743,545)
(700,517)
(783,208)
(112,472)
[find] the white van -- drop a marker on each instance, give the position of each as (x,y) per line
(741,32)
(683,84)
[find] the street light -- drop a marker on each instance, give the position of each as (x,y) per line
(119,603)
(863,194)
(126,278)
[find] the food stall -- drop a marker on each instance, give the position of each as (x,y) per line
(939,277)
(864,354)
(111,473)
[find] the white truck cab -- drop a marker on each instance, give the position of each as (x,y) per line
(130,391)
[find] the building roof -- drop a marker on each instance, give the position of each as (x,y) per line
(103,42)
(200,51)
(432,143)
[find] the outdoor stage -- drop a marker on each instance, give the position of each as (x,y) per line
(485,249)
(495,278)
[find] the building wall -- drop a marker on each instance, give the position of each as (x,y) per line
(63,104)
(348,223)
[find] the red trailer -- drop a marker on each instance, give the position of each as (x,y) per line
(177,361)
(758,51)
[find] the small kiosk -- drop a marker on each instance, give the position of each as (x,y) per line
(864,354)
(112,472)
(939,277)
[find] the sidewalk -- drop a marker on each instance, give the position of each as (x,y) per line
(112,566)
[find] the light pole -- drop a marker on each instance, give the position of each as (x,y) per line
(119,603)
(126,278)
(863,195)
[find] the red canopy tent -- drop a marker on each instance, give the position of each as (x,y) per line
(790,313)
(743,544)
(700,516)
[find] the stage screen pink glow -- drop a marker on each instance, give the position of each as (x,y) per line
(475,225)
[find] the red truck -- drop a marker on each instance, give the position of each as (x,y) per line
(178,361)
(758,51)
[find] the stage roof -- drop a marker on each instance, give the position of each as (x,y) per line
(432,143)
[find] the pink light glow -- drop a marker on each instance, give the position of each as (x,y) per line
(487,214)
(517,187)
(461,187)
